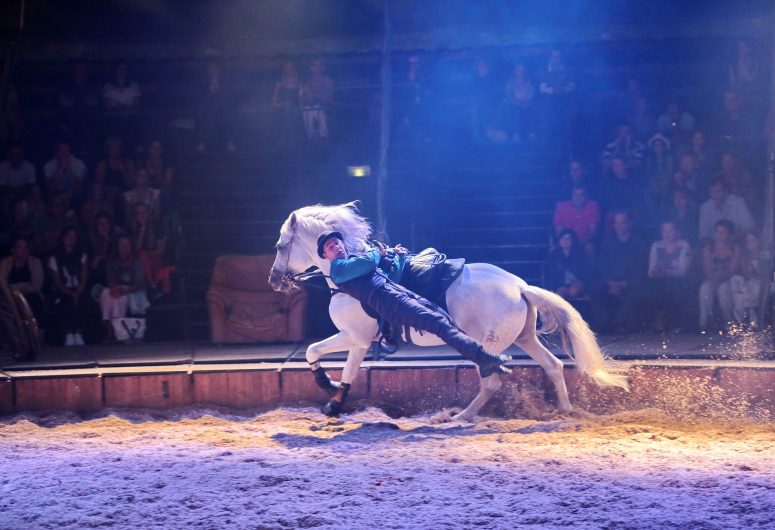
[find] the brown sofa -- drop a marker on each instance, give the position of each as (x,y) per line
(244,308)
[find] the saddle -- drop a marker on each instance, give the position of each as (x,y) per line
(428,274)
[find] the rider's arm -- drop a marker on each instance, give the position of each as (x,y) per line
(343,270)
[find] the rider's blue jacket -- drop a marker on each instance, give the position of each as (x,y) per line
(362,274)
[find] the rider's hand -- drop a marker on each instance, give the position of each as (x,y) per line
(382,248)
(400,249)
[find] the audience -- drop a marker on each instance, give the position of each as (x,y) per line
(121,100)
(78,103)
(96,202)
(317,95)
(102,237)
(556,87)
(285,100)
(69,273)
(216,112)
(676,124)
(143,193)
(124,289)
(65,173)
(723,205)
(746,286)
(618,298)
(684,213)
(668,286)
(24,272)
(150,243)
(721,260)
(567,273)
(659,169)
(626,147)
(116,172)
(16,172)
(579,214)
(622,189)
(486,97)
(517,110)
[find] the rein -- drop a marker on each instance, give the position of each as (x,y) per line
(300,277)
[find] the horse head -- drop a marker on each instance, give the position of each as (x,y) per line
(297,246)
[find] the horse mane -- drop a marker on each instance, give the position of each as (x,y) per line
(346,218)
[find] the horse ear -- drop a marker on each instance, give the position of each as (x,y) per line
(293,220)
(355,205)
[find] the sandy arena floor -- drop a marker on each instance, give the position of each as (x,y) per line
(294,468)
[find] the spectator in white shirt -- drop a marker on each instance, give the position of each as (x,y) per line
(723,205)
(121,99)
(64,173)
(16,172)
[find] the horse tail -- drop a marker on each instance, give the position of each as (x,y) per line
(559,316)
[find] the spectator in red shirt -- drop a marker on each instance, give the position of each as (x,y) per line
(579,214)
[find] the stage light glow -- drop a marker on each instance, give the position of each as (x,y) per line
(359,171)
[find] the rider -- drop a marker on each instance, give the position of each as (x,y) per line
(363,277)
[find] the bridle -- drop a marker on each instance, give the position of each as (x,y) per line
(297,279)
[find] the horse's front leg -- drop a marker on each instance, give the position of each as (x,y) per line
(339,342)
(354,359)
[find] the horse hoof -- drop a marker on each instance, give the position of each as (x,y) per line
(332,408)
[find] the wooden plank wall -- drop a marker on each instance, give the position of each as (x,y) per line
(401,390)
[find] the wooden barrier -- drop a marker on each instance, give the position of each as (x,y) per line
(80,394)
(404,388)
(148,391)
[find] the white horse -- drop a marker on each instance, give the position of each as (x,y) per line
(491,305)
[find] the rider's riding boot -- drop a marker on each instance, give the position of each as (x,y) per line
(322,379)
(490,363)
(334,407)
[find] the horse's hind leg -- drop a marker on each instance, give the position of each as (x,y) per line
(487,387)
(528,341)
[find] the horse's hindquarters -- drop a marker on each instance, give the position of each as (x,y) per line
(486,302)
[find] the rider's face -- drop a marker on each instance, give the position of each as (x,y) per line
(334,249)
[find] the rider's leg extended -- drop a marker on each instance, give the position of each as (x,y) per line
(397,307)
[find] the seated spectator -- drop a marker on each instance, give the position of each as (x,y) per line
(659,169)
(745,72)
(161,173)
(738,127)
(579,214)
(721,260)
(96,202)
(52,224)
(411,101)
(622,190)
(641,119)
(626,147)
(121,99)
(64,174)
(285,100)
(617,300)
(486,97)
(675,123)
(117,172)
(668,284)
(746,286)
(684,213)
(736,177)
(694,179)
(69,273)
(723,205)
(25,273)
(150,242)
(517,110)
(16,172)
(78,104)
(27,212)
(557,87)
(317,94)
(125,285)
(567,273)
(102,237)
(703,153)
(216,112)
(143,193)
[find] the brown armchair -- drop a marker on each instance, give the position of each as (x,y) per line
(244,308)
